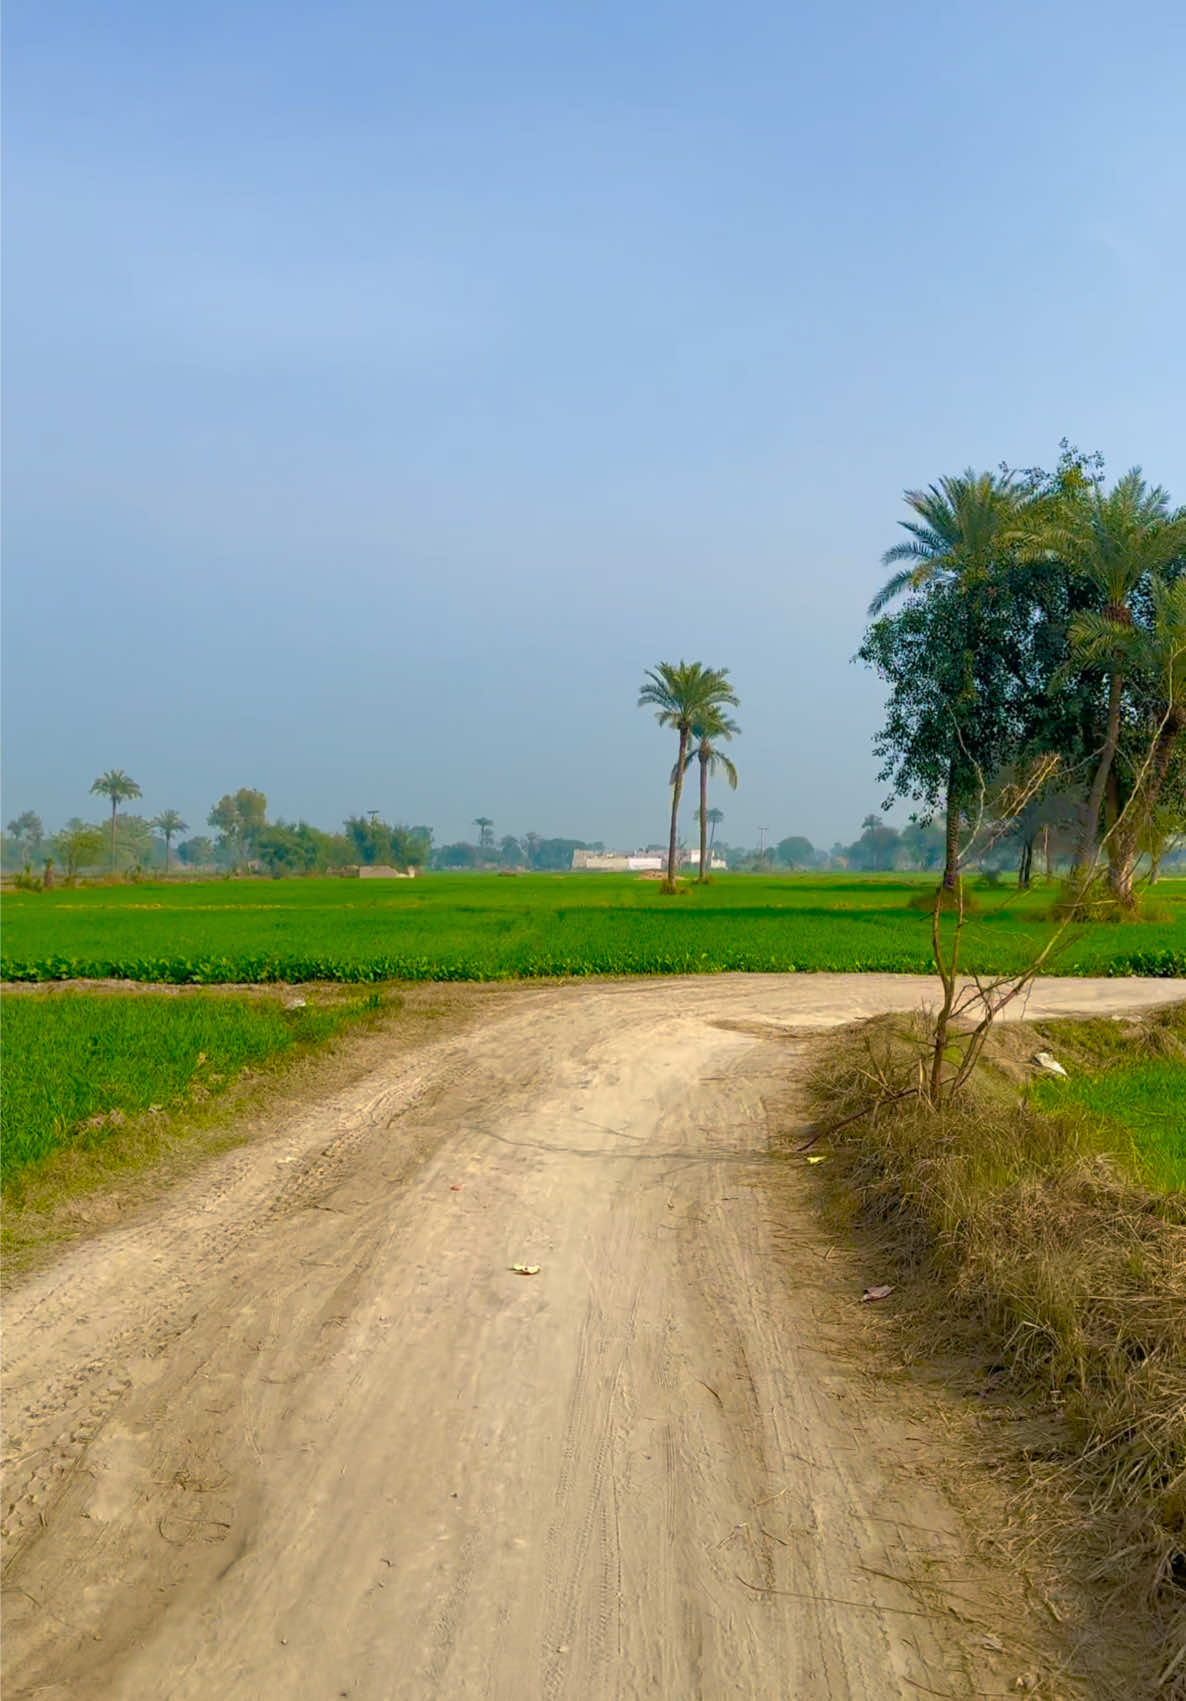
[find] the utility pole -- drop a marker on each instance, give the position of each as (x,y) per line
(762,832)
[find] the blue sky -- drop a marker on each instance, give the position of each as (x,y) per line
(388,386)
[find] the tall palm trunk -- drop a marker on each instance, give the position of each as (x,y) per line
(677,787)
(952,852)
(114,807)
(703,815)
(1085,855)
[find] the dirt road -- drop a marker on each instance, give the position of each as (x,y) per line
(303,1434)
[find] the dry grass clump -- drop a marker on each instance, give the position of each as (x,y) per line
(1049,1250)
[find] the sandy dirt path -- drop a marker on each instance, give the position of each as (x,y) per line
(302,1434)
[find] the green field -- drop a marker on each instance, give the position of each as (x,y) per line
(1143,1102)
(75,1067)
(484,927)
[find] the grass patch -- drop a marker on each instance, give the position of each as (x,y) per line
(483,927)
(1039,1242)
(1144,1103)
(76,1066)
(100,1088)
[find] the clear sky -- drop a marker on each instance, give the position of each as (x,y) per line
(389,385)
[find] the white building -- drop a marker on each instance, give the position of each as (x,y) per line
(615,862)
(691,859)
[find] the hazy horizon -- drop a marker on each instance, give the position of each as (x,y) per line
(386,390)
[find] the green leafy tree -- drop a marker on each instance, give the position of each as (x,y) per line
(708,734)
(293,848)
(954,712)
(119,787)
(27,835)
(78,846)
(239,816)
(135,845)
(1119,542)
(510,852)
(960,543)
(877,848)
(374,840)
(197,852)
(923,844)
(371,838)
(1163,832)
(460,855)
(168,824)
(683,695)
(795,852)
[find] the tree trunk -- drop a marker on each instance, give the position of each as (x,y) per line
(1025,865)
(1122,849)
(114,807)
(1046,854)
(1121,842)
(952,853)
(703,817)
(168,836)
(677,787)
(1085,856)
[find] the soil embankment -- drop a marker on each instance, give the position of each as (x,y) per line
(302,1432)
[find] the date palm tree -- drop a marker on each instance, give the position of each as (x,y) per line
(708,733)
(1118,541)
(118,786)
(683,695)
(963,527)
(1159,651)
(167,823)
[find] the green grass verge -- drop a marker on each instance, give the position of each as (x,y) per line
(82,1071)
(478,927)
(1140,1104)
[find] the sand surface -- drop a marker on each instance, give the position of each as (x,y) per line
(300,1432)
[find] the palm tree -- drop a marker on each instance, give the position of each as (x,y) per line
(965,524)
(1118,541)
(682,695)
(167,823)
(1160,652)
(118,786)
(715,817)
(485,827)
(713,724)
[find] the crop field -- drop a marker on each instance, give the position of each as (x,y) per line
(75,1067)
(486,927)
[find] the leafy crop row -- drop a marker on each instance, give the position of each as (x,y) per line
(487,929)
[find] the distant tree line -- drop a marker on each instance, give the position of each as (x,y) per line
(528,852)
(244,840)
